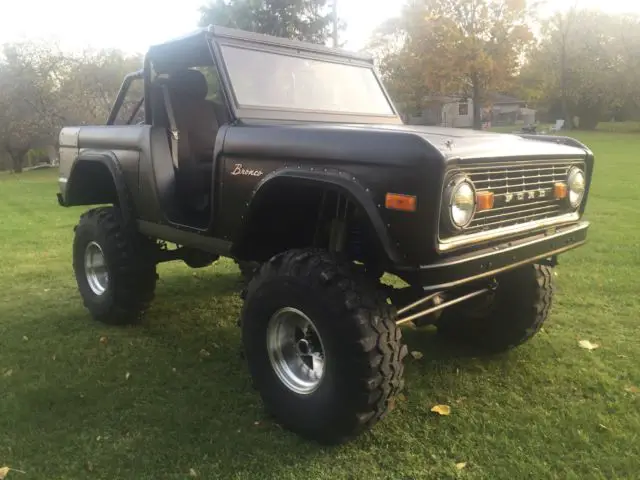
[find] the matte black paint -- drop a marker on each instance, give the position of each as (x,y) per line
(403,159)
(110,161)
(451,271)
(363,161)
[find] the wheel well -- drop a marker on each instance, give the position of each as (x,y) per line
(291,214)
(91,183)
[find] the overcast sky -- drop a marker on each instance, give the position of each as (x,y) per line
(123,24)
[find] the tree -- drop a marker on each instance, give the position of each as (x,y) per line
(27,106)
(42,89)
(400,70)
(91,82)
(587,65)
(307,20)
(465,47)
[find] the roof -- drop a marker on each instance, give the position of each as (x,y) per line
(192,47)
(496,98)
(188,50)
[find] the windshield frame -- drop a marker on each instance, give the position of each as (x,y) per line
(263,43)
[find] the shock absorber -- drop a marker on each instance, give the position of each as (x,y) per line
(356,243)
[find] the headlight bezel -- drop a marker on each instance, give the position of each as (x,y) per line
(453,186)
(572,173)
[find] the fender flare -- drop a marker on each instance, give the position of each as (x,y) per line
(110,161)
(338,181)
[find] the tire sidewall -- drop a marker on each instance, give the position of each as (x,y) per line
(330,402)
(517,311)
(88,232)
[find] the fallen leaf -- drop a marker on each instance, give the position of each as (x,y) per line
(391,406)
(460,465)
(603,426)
(4,471)
(89,466)
(127,375)
(586,344)
(441,409)
(204,353)
(98,438)
(8,373)
(53,357)
(631,389)
(192,473)
(256,423)
(25,338)
(104,340)
(174,370)
(401,397)
(417,355)
(46,289)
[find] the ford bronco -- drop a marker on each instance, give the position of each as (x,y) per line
(291,159)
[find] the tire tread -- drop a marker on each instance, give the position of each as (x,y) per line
(378,349)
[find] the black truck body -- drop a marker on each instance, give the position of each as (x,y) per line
(306,192)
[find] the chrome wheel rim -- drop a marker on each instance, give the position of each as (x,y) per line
(95,268)
(295,350)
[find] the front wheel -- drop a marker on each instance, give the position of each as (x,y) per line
(114,268)
(508,317)
(321,345)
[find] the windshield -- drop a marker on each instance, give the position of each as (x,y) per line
(278,81)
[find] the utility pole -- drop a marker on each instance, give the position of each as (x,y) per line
(335,23)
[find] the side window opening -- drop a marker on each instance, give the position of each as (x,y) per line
(132,109)
(213,83)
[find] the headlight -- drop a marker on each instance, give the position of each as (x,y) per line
(576,183)
(462,202)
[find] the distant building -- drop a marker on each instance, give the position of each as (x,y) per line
(455,111)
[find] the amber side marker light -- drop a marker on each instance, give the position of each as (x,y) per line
(484,201)
(396,201)
(560,190)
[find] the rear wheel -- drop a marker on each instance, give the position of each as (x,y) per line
(508,317)
(321,345)
(114,268)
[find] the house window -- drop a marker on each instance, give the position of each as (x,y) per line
(463,109)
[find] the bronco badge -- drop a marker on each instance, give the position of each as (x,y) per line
(240,170)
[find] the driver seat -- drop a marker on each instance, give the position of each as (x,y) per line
(194,126)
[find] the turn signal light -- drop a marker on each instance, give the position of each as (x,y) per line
(405,203)
(560,190)
(484,201)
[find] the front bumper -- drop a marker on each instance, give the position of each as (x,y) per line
(454,271)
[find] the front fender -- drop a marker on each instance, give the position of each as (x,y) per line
(338,181)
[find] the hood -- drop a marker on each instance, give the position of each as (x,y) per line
(400,145)
(466,144)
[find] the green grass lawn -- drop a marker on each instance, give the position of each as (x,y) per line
(156,400)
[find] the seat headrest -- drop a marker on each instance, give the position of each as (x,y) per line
(190,83)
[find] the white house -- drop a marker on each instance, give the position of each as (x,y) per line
(451,111)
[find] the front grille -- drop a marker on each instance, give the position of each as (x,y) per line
(522,192)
